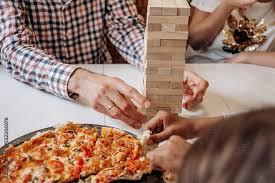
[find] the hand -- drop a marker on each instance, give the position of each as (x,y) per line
(234,4)
(164,125)
(110,96)
(241,58)
(169,156)
(194,89)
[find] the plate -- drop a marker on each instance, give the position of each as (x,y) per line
(155,177)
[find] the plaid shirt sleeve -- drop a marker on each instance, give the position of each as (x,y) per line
(25,62)
(126,30)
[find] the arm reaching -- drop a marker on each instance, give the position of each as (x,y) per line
(257,58)
(205,26)
(165,125)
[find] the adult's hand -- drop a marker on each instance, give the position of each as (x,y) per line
(164,125)
(194,89)
(110,96)
(169,156)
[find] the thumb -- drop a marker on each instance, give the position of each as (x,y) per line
(159,137)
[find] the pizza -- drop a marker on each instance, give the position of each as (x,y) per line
(71,152)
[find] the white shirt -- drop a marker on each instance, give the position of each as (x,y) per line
(215,53)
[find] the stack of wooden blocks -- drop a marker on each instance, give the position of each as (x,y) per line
(165,44)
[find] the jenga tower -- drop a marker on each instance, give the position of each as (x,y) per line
(165,45)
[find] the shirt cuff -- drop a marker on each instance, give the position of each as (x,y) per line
(58,78)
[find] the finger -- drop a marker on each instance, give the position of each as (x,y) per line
(132,93)
(116,113)
(126,106)
(156,157)
(159,137)
(194,102)
(156,122)
(199,91)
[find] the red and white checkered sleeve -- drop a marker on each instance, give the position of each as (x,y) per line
(126,29)
(25,62)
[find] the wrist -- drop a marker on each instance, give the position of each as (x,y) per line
(244,57)
(74,85)
(200,125)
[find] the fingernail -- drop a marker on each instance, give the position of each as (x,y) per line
(147,104)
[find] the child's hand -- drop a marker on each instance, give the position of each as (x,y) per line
(234,4)
(164,125)
(169,156)
(194,89)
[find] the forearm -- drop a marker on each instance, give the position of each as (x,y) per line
(260,58)
(204,31)
(30,65)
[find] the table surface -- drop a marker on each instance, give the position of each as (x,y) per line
(233,88)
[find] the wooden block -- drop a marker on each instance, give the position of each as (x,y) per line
(158,104)
(164,71)
(169,50)
(151,84)
(155,7)
(151,70)
(170,12)
(159,57)
(168,19)
(151,111)
(169,8)
(175,99)
(168,27)
(157,91)
(183,7)
(163,85)
(169,78)
(181,27)
(176,85)
(177,70)
(168,109)
(155,11)
(168,35)
(176,63)
(153,98)
(153,43)
(178,57)
(158,63)
(154,27)
(173,43)
(176,109)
